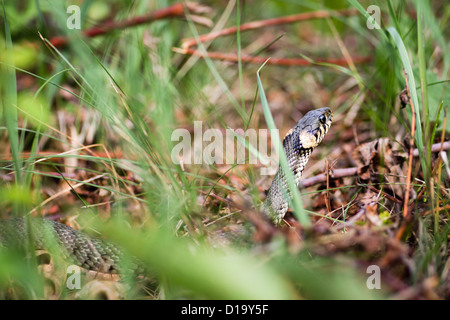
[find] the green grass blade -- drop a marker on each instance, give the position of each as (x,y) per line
(9,100)
(423,85)
(213,275)
(297,204)
(216,74)
(412,85)
(239,52)
(363,11)
(250,148)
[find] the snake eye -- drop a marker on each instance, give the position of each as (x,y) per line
(322,119)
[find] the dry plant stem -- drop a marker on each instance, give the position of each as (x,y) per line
(327,194)
(65,191)
(411,151)
(321,178)
(173,11)
(188,43)
(437,147)
(437,210)
(438,169)
(386,195)
(308,182)
(213,195)
(231,57)
(406,214)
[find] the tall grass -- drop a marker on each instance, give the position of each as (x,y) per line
(412,42)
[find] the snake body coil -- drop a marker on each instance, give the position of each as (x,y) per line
(102,256)
(88,252)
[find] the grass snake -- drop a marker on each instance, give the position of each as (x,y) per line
(102,256)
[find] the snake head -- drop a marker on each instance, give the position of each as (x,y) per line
(313,127)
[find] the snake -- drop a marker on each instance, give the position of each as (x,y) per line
(100,255)
(298,144)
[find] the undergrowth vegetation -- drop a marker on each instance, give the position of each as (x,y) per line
(87,138)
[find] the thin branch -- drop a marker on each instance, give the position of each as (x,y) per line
(186,47)
(321,178)
(174,11)
(299,62)
(188,43)
(435,148)
(353,171)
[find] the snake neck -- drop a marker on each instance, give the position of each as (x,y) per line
(278,197)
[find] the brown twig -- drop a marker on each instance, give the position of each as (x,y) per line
(213,195)
(321,178)
(437,147)
(188,43)
(437,209)
(231,57)
(406,214)
(386,195)
(174,11)
(438,167)
(299,62)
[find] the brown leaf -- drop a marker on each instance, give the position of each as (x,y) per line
(380,155)
(404,98)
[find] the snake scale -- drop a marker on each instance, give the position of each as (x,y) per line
(102,256)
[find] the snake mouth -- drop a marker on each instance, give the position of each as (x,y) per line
(321,131)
